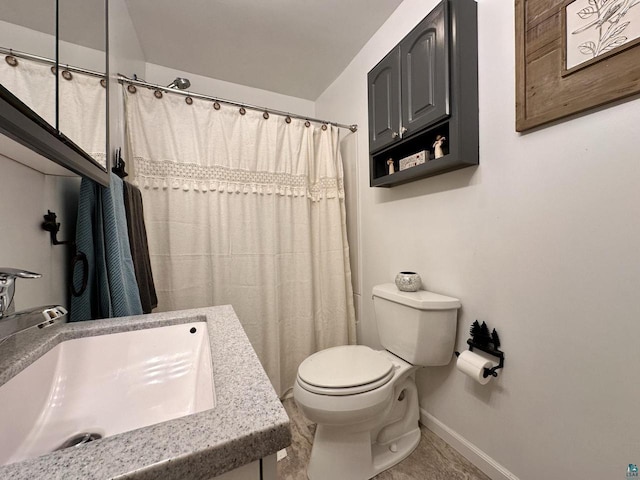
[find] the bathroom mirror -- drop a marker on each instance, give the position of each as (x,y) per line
(31,81)
(82,81)
(63,118)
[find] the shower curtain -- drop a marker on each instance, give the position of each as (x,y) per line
(246,209)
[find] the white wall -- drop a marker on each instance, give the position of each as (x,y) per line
(26,196)
(230,91)
(22,244)
(27,40)
(541,241)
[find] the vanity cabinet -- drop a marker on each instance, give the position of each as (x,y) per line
(426,88)
(263,469)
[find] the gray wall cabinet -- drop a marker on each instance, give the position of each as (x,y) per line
(424,70)
(384,101)
(426,87)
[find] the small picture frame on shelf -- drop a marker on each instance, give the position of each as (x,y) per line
(414,160)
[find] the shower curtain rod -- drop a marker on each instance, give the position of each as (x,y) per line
(123,79)
(37,58)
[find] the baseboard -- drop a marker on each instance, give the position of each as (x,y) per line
(484,462)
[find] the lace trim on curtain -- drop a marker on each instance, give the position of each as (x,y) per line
(215,178)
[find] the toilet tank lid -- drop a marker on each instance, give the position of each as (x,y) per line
(422,299)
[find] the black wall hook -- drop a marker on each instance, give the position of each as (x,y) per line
(53,227)
(486,342)
(119,167)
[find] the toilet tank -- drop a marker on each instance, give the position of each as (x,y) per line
(419,327)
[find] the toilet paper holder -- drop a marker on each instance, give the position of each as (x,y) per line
(486,342)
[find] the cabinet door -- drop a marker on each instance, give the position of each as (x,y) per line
(425,71)
(384,101)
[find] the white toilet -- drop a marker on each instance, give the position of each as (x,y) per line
(365,401)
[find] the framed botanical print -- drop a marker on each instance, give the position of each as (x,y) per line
(596,29)
(574,55)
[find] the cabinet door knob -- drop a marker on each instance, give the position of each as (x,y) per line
(394,135)
(403,130)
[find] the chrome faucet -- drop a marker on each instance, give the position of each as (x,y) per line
(10,322)
(8,278)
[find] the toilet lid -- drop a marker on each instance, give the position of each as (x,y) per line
(344,367)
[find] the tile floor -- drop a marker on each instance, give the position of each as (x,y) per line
(432,460)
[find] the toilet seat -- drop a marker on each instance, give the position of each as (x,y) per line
(345,370)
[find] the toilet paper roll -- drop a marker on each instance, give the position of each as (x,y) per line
(473,365)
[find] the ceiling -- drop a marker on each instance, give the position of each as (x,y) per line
(293,47)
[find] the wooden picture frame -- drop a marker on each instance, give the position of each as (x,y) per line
(545,89)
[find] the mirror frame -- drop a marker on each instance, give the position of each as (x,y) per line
(20,123)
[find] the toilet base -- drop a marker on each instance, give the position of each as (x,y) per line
(352,456)
(361,451)
(368,444)
(384,457)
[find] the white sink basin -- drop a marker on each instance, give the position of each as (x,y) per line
(107,385)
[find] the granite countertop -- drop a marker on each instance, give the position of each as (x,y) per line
(247,423)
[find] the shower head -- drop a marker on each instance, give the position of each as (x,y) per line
(180,83)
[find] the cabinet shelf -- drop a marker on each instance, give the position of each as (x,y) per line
(425,87)
(445,164)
